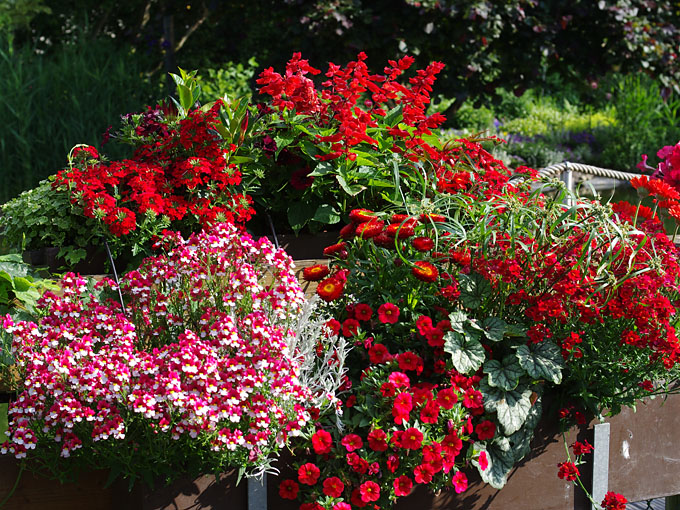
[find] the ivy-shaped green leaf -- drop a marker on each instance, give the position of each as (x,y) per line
(494,328)
(521,440)
(542,361)
(505,374)
(500,464)
(512,407)
(474,289)
(467,354)
(457,318)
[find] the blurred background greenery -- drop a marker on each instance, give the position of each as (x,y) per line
(594,82)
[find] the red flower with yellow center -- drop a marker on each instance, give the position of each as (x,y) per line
(425,271)
(330,289)
(315,273)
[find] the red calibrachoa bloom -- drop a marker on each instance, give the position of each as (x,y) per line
(370,491)
(288,489)
(460,482)
(403,486)
(333,487)
(412,439)
(308,474)
(322,442)
(352,442)
(485,430)
(388,313)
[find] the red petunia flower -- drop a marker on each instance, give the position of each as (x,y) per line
(300,179)
(388,313)
(412,439)
(460,482)
(322,442)
(483,461)
(485,430)
(363,312)
(288,489)
(402,407)
(315,273)
(370,491)
(308,474)
(425,271)
(352,442)
(350,327)
(333,487)
(582,448)
(378,353)
(423,473)
(330,289)
(402,486)
(447,398)
(377,440)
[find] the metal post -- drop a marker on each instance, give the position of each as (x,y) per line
(600,462)
(257,493)
(567,177)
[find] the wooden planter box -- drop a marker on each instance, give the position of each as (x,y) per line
(643,463)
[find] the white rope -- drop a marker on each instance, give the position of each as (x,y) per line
(558,168)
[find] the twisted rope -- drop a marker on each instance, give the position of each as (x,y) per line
(558,168)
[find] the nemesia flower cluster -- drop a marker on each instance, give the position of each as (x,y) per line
(198,357)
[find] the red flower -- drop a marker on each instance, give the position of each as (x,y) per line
(399,379)
(423,473)
(460,482)
(341,506)
(425,271)
(334,326)
(402,407)
(289,489)
(567,471)
(370,491)
(350,327)
(335,249)
(483,461)
(330,289)
(430,413)
(412,439)
(322,442)
(369,229)
(388,313)
(347,232)
(361,215)
(402,486)
(300,179)
(308,474)
(410,361)
(315,273)
(392,463)
(333,487)
(377,440)
(356,500)
(363,312)
(447,398)
(614,501)
(582,448)
(352,442)
(485,430)
(378,353)
(422,243)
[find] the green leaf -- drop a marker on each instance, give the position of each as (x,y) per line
(542,361)
(474,289)
(500,464)
(351,190)
(283,141)
(511,407)
(458,319)
(323,168)
(325,213)
(22,284)
(504,375)
(299,214)
(521,440)
(467,354)
(394,116)
(494,328)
